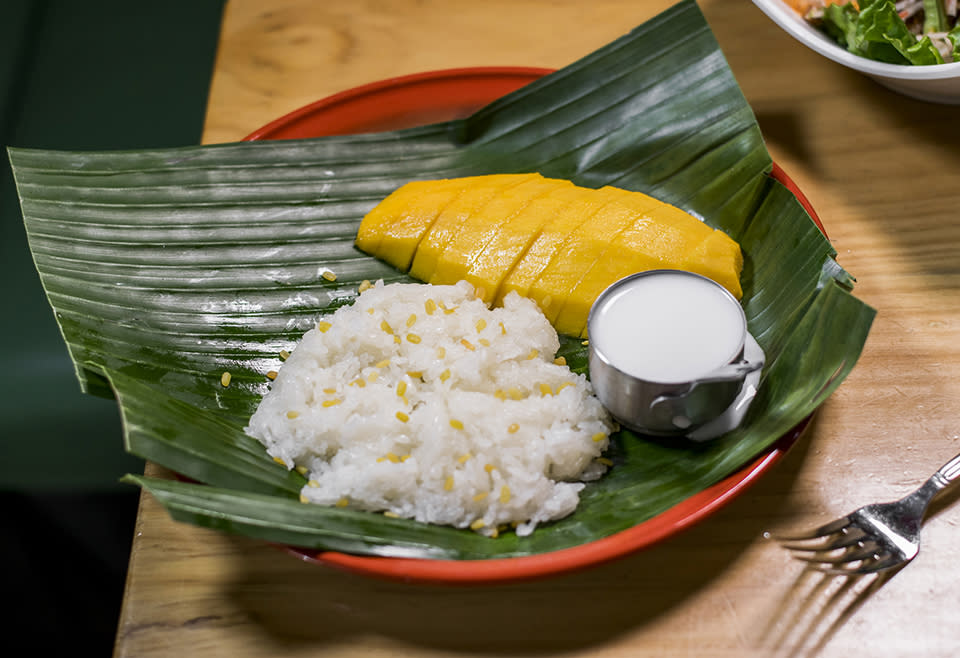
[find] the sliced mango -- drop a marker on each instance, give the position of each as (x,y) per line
(395,226)
(545,245)
(556,243)
(719,258)
(446,227)
(655,236)
(510,246)
(626,253)
(578,253)
(477,231)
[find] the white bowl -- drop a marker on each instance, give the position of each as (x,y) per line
(939,83)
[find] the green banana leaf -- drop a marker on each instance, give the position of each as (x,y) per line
(166,268)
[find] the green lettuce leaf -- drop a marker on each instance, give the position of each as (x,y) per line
(954,37)
(880,24)
(877,32)
(840,22)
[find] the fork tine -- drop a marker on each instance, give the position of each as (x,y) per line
(882,562)
(888,561)
(822,531)
(867,550)
(849,536)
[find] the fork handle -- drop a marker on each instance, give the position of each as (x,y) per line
(946,474)
(922,497)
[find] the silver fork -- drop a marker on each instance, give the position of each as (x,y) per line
(874,538)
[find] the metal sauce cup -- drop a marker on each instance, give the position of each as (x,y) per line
(667,351)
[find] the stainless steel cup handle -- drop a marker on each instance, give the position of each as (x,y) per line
(730,372)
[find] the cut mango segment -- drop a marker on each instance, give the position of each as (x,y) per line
(582,248)
(446,226)
(718,258)
(547,239)
(510,246)
(477,231)
(626,253)
(396,225)
(545,245)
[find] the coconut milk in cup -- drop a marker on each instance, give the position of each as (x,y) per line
(667,351)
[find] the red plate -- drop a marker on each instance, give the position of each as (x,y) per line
(439,96)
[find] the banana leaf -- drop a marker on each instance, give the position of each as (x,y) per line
(166,268)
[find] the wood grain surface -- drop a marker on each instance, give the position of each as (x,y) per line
(882,172)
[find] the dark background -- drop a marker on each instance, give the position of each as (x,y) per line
(95,75)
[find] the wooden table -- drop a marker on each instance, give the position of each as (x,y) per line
(882,172)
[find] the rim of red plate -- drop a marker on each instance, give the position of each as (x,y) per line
(410,100)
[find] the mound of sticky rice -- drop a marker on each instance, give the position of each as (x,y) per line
(420,402)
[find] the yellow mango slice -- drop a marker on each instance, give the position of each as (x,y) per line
(478,230)
(626,254)
(660,237)
(510,246)
(577,254)
(393,229)
(718,258)
(545,245)
(447,224)
(653,237)
(556,243)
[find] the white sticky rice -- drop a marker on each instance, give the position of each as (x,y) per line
(420,402)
